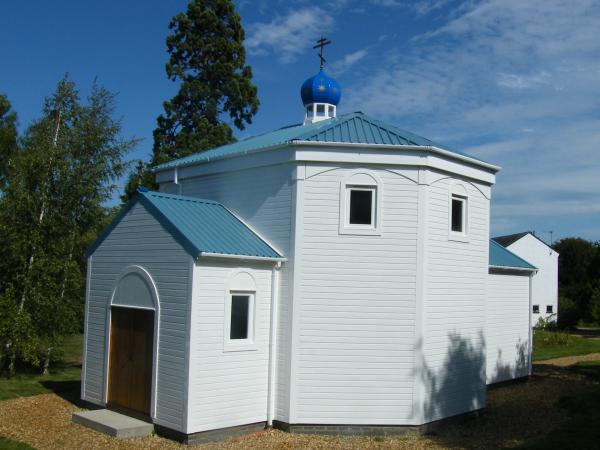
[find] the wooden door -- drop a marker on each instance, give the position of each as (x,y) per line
(130,370)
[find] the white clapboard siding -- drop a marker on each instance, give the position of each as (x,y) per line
(454,308)
(139,239)
(507,327)
(355,306)
(263,198)
(227,388)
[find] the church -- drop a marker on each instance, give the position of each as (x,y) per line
(333,276)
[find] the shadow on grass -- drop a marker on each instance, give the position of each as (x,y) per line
(558,407)
(581,430)
(68,390)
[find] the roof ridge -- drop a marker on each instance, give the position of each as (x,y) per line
(325,125)
(181,197)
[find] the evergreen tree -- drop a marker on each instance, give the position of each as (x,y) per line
(208,59)
(50,212)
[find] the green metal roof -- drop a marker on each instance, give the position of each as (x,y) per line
(201,226)
(503,258)
(354,128)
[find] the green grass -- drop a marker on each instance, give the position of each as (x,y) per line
(7,444)
(550,344)
(64,375)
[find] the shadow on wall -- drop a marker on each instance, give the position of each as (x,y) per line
(508,370)
(457,385)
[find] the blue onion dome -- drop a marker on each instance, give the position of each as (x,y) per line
(321,88)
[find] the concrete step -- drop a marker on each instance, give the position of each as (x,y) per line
(113,423)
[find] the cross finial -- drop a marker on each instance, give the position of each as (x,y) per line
(320,44)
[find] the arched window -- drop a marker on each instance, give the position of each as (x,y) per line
(360,204)
(240,309)
(458,213)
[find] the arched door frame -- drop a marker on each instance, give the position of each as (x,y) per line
(139,270)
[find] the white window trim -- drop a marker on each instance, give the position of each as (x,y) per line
(238,345)
(360,181)
(460,236)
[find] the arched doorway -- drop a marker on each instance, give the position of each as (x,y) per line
(132,342)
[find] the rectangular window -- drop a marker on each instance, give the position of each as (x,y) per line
(361,206)
(331,111)
(320,110)
(549,309)
(240,312)
(309,111)
(536,309)
(458,215)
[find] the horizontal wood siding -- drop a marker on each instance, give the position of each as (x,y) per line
(507,327)
(227,388)
(141,240)
(355,314)
(262,197)
(454,309)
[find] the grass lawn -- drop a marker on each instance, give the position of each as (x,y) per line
(548,345)
(64,375)
(7,444)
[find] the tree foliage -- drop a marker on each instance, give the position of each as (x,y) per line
(8,136)
(51,209)
(208,60)
(579,280)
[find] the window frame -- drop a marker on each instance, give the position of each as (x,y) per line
(551,307)
(463,235)
(535,309)
(373,191)
(361,181)
(235,345)
(310,111)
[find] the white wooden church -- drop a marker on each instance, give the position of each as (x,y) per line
(331,276)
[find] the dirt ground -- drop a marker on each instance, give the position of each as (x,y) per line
(512,417)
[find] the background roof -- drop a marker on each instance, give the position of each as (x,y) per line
(510,239)
(354,128)
(501,257)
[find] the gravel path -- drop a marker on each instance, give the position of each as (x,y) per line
(510,418)
(44,422)
(570,360)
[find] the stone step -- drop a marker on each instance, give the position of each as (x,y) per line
(113,423)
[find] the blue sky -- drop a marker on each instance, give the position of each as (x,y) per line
(513,82)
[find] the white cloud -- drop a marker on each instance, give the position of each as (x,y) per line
(290,35)
(341,66)
(493,70)
(424,7)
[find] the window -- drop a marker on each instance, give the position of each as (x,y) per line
(240,305)
(536,309)
(331,111)
(361,207)
(360,204)
(458,214)
(309,111)
(239,321)
(320,110)
(549,309)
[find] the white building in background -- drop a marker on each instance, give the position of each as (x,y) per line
(334,275)
(545,284)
